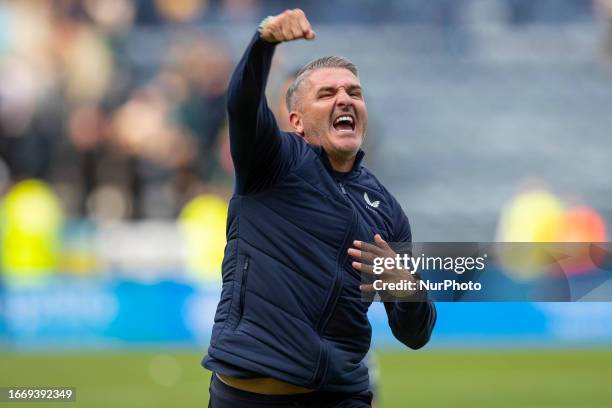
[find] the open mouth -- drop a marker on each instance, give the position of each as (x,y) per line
(344,123)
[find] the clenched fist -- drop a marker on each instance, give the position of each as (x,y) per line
(286,26)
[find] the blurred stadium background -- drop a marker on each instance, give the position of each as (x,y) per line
(490,120)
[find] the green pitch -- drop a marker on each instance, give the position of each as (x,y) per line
(457,379)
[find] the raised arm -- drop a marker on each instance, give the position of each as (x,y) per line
(257,146)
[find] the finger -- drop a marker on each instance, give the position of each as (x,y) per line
(361,267)
(364,246)
(363,255)
(282,26)
(381,243)
(295,16)
(296,31)
(286,31)
(304,25)
(367,288)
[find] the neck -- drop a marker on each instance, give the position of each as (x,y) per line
(342,164)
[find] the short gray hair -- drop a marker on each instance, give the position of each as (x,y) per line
(324,62)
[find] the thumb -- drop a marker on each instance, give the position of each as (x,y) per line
(310,35)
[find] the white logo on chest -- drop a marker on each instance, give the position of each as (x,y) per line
(374,204)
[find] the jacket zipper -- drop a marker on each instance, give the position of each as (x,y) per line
(333,300)
(243,287)
(337,282)
(339,276)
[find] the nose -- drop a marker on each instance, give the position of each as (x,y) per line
(343,99)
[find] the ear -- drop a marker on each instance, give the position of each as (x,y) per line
(295,118)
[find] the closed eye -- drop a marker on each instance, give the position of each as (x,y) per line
(326,92)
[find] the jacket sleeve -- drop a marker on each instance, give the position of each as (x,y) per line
(260,152)
(411,322)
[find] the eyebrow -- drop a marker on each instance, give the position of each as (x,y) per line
(348,88)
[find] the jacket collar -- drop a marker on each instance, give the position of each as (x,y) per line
(325,159)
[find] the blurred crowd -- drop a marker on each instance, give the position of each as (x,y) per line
(114,138)
(131,132)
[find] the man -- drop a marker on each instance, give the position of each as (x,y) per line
(282,117)
(291,328)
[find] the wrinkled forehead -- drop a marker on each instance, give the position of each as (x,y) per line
(331,77)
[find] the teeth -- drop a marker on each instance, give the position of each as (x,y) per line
(343,119)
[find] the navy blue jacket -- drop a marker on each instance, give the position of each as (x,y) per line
(290,305)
